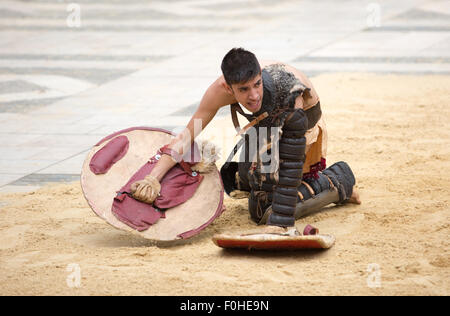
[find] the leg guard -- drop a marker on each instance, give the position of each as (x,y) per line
(334,185)
(292,156)
(342,177)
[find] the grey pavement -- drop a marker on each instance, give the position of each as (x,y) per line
(136,62)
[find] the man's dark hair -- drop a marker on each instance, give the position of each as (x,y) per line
(239,66)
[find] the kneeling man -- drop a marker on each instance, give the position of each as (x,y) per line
(294,181)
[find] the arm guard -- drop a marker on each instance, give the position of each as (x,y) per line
(292,147)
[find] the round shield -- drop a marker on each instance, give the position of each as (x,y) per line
(131,149)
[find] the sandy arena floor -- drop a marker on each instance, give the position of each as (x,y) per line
(393,131)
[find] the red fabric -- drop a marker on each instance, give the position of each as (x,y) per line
(177,187)
(314,169)
(135,214)
(111,153)
(310,230)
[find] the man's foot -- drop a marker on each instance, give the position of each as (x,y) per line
(355,197)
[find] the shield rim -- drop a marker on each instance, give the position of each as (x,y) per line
(181,236)
(274,242)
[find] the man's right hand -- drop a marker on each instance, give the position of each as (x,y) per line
(146,190)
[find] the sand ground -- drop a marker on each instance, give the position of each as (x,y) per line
(394,132)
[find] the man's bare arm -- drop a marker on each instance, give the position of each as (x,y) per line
(214,98)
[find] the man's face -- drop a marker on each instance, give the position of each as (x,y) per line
(249,94)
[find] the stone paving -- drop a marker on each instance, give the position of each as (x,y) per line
(136,62)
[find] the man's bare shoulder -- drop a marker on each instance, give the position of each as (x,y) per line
(311,97)
(217,96)
(299,74)
(267,63)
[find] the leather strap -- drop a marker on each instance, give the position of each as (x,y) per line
(313,114)
(265,148)
(235,107)
(309,188)
(253,123)
(329,180)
